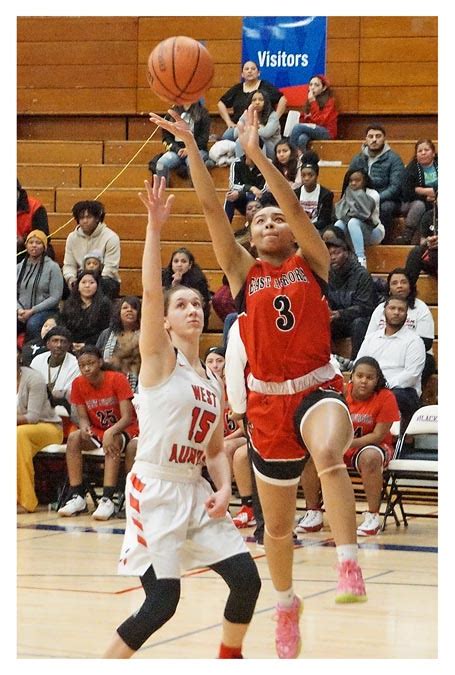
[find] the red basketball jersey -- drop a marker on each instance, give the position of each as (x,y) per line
(285,324)
(381,407)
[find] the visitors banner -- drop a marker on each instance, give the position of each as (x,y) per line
(288,51)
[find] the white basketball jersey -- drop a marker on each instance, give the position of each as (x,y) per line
(177,418)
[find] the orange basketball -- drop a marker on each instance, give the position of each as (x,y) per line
(180,69)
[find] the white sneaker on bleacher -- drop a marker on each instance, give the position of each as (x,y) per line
(76,504)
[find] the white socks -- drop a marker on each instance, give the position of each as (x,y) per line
(347,552)
(285,598)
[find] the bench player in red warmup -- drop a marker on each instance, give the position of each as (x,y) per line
(174,519)
(294,400)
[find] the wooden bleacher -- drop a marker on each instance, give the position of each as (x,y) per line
(83,115)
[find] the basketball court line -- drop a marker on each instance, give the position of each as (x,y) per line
(300,543)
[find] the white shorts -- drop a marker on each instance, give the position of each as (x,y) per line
(168,527)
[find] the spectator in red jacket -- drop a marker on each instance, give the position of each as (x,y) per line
(318,119)
(31,215)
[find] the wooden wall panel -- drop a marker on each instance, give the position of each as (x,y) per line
(392,50)
(398,26)
(76,29)
(364,56)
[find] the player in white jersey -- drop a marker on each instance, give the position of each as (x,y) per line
(174,519)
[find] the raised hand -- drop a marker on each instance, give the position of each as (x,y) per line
(248,131)
(156,203)
(178,128)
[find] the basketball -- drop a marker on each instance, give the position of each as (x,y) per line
(180,69)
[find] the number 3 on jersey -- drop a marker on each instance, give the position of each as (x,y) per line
(286,319)
(200,424)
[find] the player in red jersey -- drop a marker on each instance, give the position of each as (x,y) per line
(292,384)
(106,419)
(373,410)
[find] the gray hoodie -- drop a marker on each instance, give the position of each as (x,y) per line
(79,244)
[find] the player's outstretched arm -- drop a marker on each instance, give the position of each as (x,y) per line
(233,259)
(157,353)
(310,243)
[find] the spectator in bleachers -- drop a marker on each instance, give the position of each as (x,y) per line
(420,188)
(243,234)
(106,419)
(386,170)
(93,262)
(238,98)
(269,125)
(31,215)
(350,293)
(246,183)
(119,343)
(37,425)
(419,317)
(175,155)
(424,257)
(87,311)
(316,200)
(319,116)
(400,353)
(373,409)
(358,212)
(58,366)
(92,234)
(39,286)
(37,345)
(183,269)
(287,162)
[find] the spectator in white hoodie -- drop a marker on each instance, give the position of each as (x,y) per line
(91,234)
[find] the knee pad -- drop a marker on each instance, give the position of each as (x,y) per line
(161,600)
(241,575)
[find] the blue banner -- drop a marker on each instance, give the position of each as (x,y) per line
(288,50)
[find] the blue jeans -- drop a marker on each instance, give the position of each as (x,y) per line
(361,234)
(171,160)
(229,134)
(302,133)
(35,323)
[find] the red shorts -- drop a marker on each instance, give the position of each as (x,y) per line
(271,421)
(351,456)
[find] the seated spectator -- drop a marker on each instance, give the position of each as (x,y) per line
(58,366)
(420,188)
(235,446)
(87,311)
(93,262)
(332,233)
(222,300)
(119,343)
(92,234)
(246,183)
(350,293)
(316,200)
(175,155)
(358,212)
(37,425)
(39,286)
(319,116)
(38,345)
(106,420)
(183,269)
(286,161)
(238,98)
(269,125)
(400,353)
(419,317)
(243,234)
(424,257)
(31,215)
(373,410)
(386,170)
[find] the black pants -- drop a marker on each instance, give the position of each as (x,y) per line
(355,329)
(408,403)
